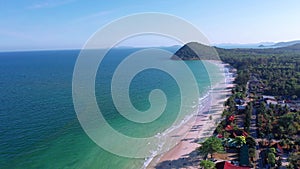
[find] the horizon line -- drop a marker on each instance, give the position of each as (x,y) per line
(120,47)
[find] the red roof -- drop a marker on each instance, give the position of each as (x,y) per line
(220,136)
(279,148)
(231,118)
(228,165)
(245,134)
(228,127)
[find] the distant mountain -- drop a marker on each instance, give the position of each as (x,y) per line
(198,51)
(284,44)
(195,51)
(257,45)
(294,47)
(244,46)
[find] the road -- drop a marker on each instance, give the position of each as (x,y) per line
(253,133)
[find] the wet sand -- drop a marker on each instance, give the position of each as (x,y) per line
(184,154)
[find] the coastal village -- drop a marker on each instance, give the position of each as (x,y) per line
(161,84)
(247,134)
(257,130)
(259,125)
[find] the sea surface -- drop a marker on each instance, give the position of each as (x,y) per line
(38,124)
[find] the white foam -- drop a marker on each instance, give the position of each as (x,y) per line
(162,136)
(202,104)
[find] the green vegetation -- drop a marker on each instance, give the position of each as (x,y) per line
(277,70)
(294,160)
(252,153)
(271,159)
(240,140)
(210,146)
(274,72)
(277,122)
(207,164)
(195,51)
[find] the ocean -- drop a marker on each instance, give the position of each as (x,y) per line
(38,124)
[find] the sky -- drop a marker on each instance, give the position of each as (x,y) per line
(68,24)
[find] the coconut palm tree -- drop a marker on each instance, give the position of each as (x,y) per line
(211,145)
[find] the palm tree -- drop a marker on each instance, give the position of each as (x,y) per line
(240,140)
(271,159)
(211,145)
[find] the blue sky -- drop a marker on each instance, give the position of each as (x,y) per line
(53,24)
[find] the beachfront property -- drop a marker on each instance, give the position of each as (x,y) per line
(269,102)
(241,107)
(266,97)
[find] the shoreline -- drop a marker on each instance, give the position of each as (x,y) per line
(184,154)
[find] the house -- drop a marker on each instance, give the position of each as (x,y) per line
(241,107)
(244,156)
(228,165)
(265,97)
(269,102)
(239,101)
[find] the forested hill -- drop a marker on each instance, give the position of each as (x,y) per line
(196,51)
(277,68)
(283,44)
(293,49)
(285,57)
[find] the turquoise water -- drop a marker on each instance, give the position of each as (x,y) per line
(38,124)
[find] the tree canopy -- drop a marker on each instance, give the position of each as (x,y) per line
(207,164)
(211,145)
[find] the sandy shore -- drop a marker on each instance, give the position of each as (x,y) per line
(184,154)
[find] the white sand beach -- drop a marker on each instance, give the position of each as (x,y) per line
(184,154)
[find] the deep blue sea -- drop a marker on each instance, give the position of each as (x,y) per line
(39,127)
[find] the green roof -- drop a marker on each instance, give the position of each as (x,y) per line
(244,156)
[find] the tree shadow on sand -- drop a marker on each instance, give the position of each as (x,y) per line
(189,160)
